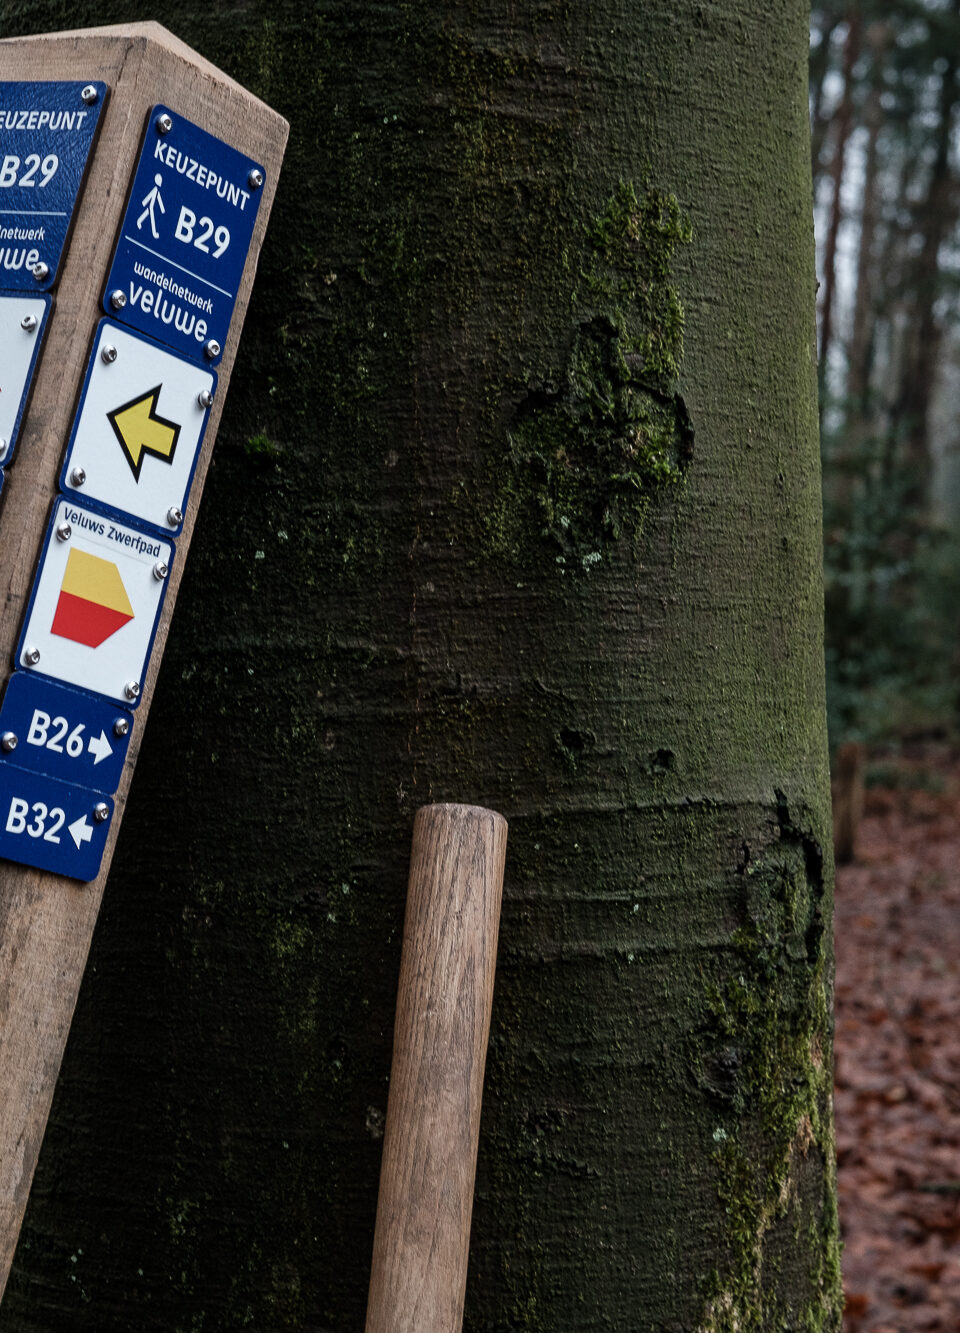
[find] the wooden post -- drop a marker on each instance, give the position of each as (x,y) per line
(445,995)
(46,922)
(847,800)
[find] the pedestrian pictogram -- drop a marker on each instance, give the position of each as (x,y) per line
(151,202)
(184,239)
(93,603)
(137,435)
(142,430)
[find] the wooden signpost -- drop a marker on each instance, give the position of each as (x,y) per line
(136,182)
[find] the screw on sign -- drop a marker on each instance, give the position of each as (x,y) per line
(64,732)
(184,237)
(22,326)
(95,603)
(47,131)
(139,428)
(52,825)
(174,259)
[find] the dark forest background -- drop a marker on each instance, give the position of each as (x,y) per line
(884,92)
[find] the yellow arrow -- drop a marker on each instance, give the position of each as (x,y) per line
(141,430)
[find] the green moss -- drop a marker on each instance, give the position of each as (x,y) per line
(766,1062)
(261,446)
(591,445)
(454,303)
(629,269)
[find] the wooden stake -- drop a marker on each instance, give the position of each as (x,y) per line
(445,995)
(847,801)
(46,922)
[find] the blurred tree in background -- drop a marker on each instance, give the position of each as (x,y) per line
(884,91)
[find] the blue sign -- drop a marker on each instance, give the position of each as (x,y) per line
(46,133)
(184,237)
(64,733)
(52,825)
(23,321)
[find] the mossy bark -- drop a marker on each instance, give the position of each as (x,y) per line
(516,502)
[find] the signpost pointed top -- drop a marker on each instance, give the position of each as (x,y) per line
(145,34)
(65,716)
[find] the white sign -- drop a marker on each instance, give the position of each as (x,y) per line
(21,329)
(138,428)
(96,602)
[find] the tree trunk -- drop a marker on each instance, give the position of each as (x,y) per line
(516,503)
(860,355)
(820,69)
(844,124)
(936,218)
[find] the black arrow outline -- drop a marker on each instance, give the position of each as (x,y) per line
(153,395)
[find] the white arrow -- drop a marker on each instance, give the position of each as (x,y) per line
(101,747)
(80,831)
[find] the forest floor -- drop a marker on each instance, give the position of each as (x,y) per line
(898,1050)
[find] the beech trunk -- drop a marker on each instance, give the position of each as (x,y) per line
(516,503)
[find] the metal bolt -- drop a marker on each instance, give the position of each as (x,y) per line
(64,532)
(41,271)
(28,323)
(164,123)
(211,348)
(174,516)
(77,476)
(9,741)
(160,571)
(205,397)
(118,299)
(121,726)
(89,94)
(108,354)
(101,811)
(255,178)
(132,689)
(31,656)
